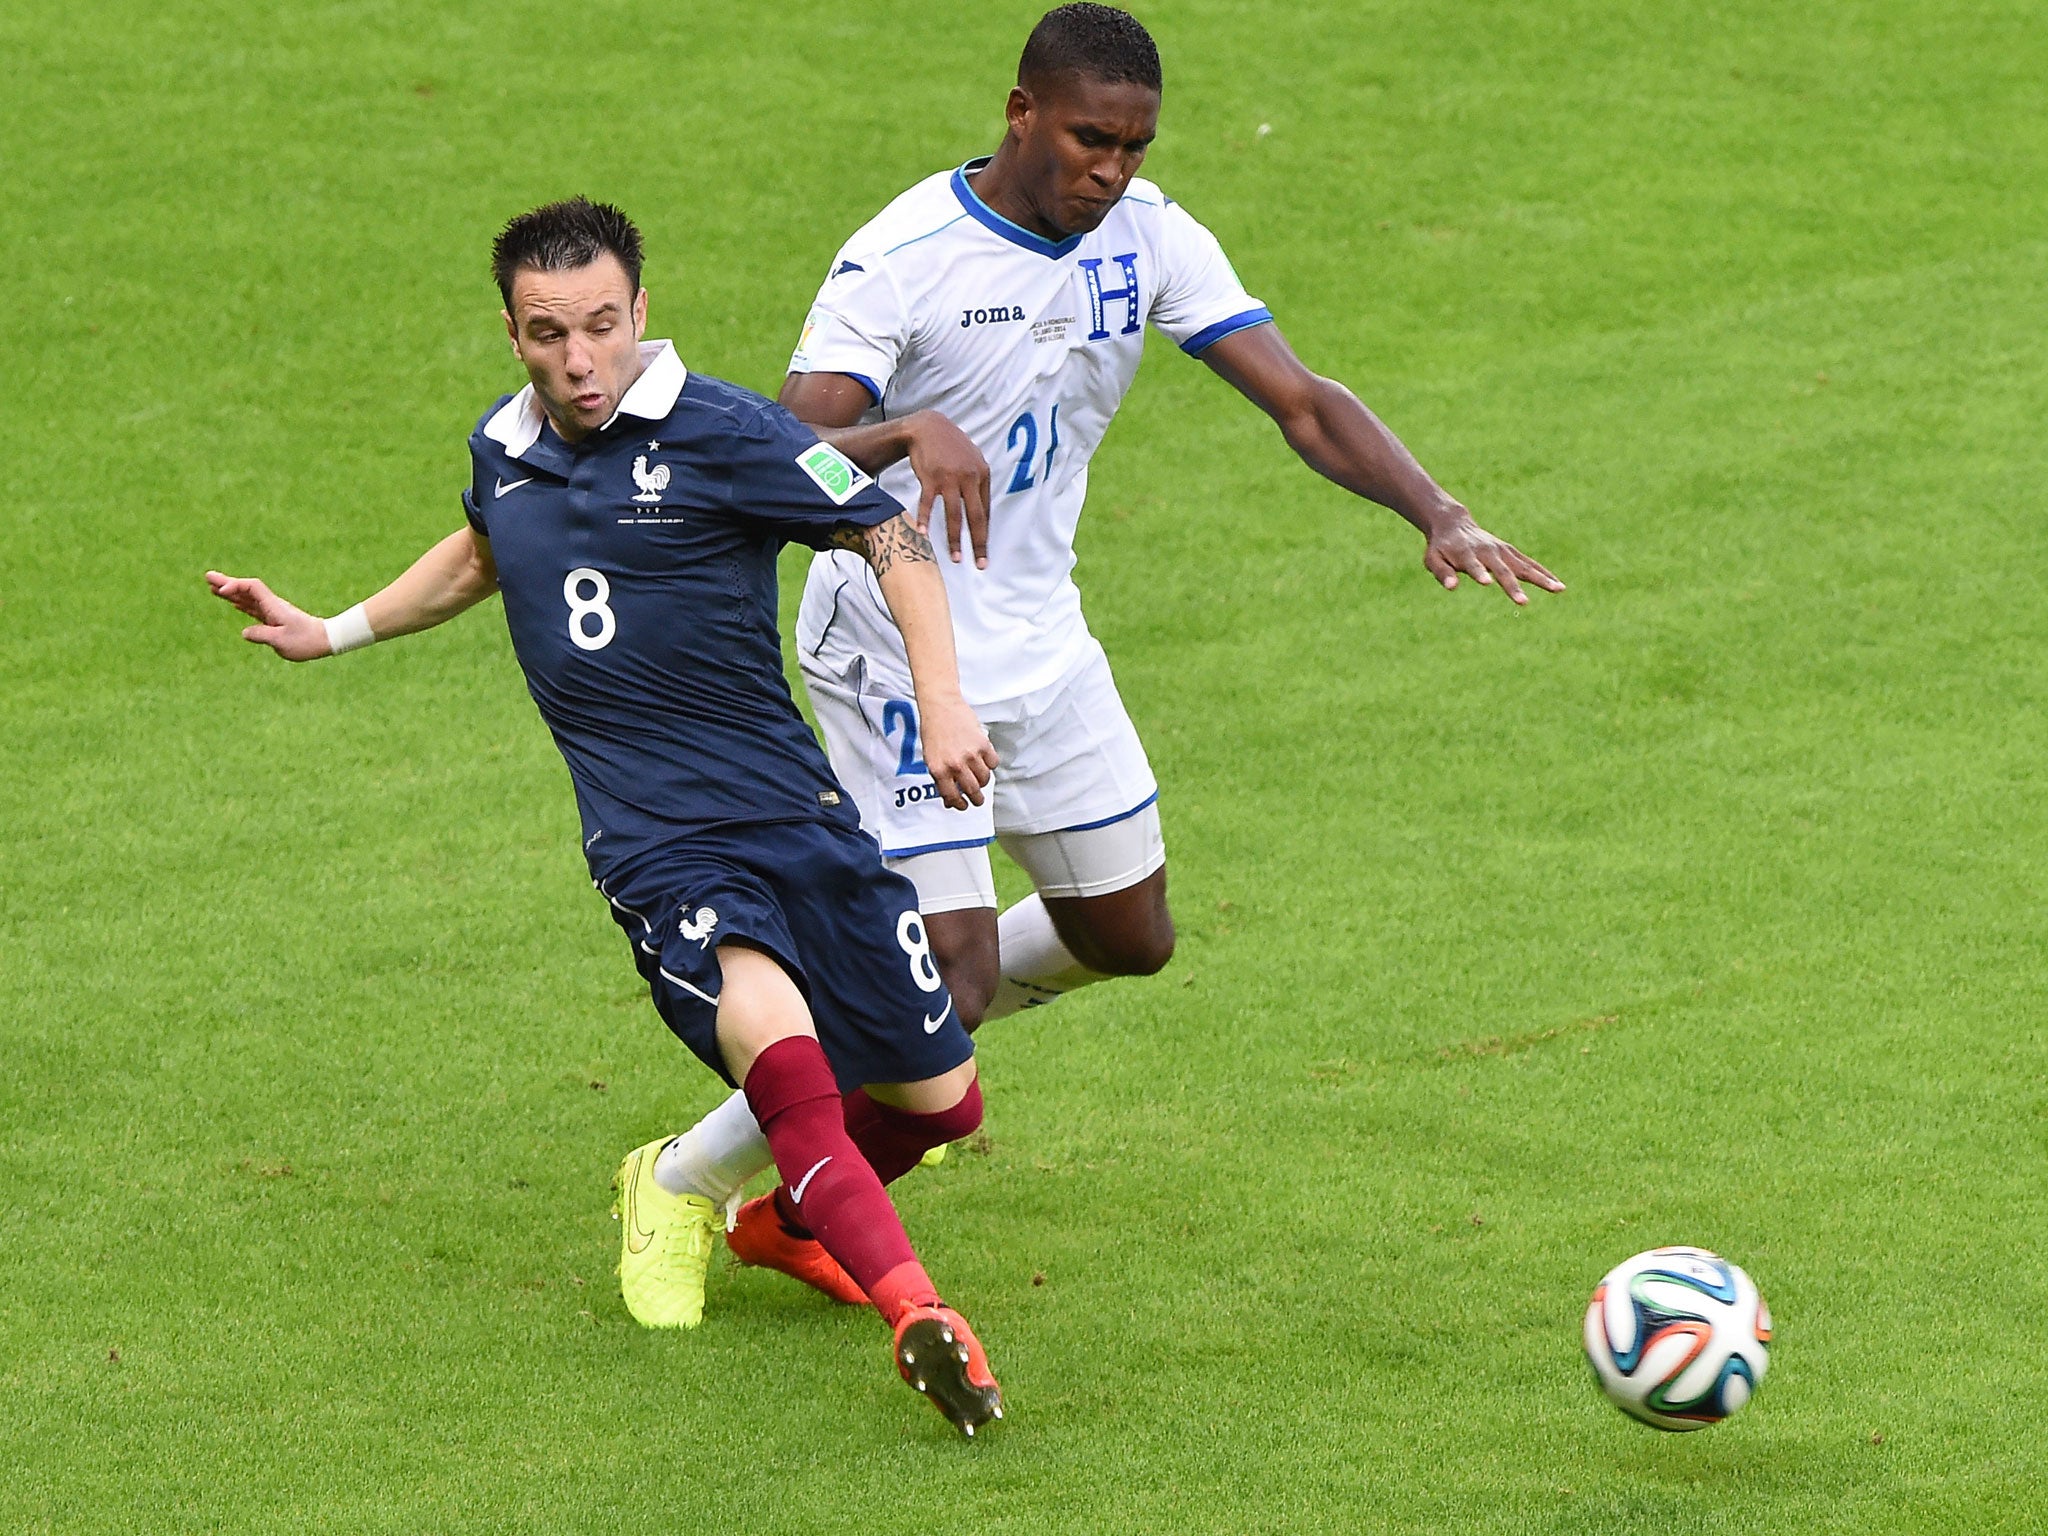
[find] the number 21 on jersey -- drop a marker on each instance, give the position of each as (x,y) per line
(1025,429)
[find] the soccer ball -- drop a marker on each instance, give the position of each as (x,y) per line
(1678,1337)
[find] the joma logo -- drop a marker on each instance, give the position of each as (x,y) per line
(994,316)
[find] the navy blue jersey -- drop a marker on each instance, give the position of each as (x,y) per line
(638,572)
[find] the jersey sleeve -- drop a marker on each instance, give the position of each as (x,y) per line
(1200,299)
(473,493)
(787,482)
(858,324)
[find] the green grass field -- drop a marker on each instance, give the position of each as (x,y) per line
(1700,905)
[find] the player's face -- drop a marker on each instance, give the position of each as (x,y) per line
(1080,141)
(578,332)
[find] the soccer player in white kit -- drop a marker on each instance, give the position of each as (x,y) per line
(969,347)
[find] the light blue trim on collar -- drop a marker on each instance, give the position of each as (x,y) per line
(1016,234)
(926,235)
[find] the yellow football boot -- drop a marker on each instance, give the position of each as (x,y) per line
(665,1244)
(933,1156)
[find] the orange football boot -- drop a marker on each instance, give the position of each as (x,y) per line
(758,1237)
(939,1355)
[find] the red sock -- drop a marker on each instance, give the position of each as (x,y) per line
(892,1140)
(828,1184)
(904,1287)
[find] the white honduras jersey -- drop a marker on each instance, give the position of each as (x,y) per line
(1028,345)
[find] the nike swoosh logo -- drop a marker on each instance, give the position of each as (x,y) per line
(797,1195)
(931,1025)
(503,487)
(633,1227)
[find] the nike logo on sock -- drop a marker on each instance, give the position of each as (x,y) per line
(797,1195)
(503,488)
(931,1025)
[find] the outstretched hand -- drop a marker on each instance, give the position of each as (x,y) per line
(291,632)
(1462,546)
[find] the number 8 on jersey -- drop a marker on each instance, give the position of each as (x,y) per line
(581,608)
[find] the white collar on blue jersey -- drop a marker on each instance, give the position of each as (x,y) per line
(516,425)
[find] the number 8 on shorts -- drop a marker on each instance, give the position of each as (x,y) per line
(910,934)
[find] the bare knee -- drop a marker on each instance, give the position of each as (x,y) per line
(971,978)
(1126,933)
(954,1094)
(1145,953)
(964,949)
(758,1005)
(971,1003)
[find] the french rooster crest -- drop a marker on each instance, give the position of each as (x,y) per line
(652,482)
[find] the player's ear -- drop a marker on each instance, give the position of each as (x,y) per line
(1018,110)
(640,314)
(512,331)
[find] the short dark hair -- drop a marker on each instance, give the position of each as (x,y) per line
(1098,41)
(560,237)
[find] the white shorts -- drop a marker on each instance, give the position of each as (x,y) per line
(1074,800)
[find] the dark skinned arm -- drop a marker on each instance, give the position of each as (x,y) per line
(1337,437)
(950,469)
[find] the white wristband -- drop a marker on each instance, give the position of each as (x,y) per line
(349,631)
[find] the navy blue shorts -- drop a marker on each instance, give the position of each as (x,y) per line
(818,898)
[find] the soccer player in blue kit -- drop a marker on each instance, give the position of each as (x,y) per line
(970,346)
(630,513)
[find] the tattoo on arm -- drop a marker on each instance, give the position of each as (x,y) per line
(886,544)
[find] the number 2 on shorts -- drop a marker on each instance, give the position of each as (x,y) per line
(902,714)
